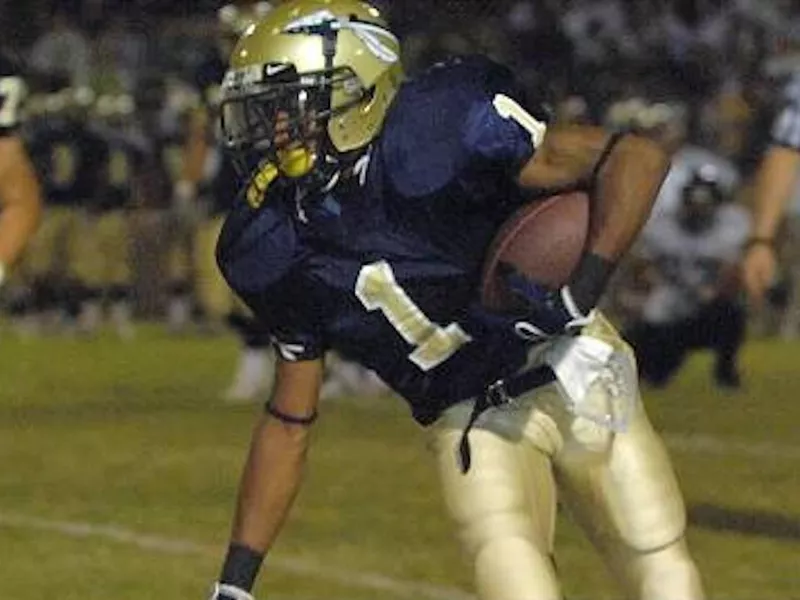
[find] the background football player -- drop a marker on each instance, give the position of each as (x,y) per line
(101,247)
(692,261)
(364,228)
(20,197)
(209,183)
(68,158)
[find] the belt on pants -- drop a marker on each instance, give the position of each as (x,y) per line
(499,393)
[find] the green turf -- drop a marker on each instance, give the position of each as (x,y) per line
(132,437)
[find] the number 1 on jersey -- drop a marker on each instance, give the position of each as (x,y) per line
(377,289)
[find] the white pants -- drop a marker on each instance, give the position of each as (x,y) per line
(619,486)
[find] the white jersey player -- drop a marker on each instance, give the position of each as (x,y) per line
(690,263)
(687,161)
(692,302)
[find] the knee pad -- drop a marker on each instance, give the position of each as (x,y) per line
(512,568)
(642,492)
(665,574)
(481,532)
(509,562)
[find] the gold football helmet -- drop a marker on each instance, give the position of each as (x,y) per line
(309,82)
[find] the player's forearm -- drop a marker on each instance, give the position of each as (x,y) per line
(270,482)
(626,188)
(773,189)
(20,200)
(19,217)
(626,184)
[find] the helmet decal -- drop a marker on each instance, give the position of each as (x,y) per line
(322,21)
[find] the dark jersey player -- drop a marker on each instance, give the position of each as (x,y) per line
(208,176)
(20,200)
(363,229)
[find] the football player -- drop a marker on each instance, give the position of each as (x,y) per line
(68,157)
(363,229)
(692,259)
(774,183)
(102,247)
(208,176)
(20,197)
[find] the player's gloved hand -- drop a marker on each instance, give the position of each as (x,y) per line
(547,312)
(222,591)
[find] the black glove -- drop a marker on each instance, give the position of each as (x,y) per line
(547,312)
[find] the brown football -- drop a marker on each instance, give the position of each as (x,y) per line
(543,240)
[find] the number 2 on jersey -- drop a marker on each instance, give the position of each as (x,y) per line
(377,289)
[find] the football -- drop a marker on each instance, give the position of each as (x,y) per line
(543,240)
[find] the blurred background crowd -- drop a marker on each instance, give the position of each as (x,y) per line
(117,87)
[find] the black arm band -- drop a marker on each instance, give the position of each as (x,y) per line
(589,281)
(241,567)
(613,140)
(290,419)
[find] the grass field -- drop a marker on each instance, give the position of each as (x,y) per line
(119,468)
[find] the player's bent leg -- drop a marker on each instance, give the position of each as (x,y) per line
(180,306)
(626,497)
(503,507)
(726,322)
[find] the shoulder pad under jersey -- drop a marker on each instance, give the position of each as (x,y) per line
(459,117)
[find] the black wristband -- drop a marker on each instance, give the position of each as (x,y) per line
(589,280)
(241,567)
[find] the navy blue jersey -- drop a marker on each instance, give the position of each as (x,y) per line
(385,267)
(125,158)
(69,158)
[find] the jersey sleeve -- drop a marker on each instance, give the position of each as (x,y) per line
(457,122)
(12,94)
(501,126)
(786,127)
(294,335)
(256,253)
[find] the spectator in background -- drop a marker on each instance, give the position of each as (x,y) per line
(63,50)
(598,30)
